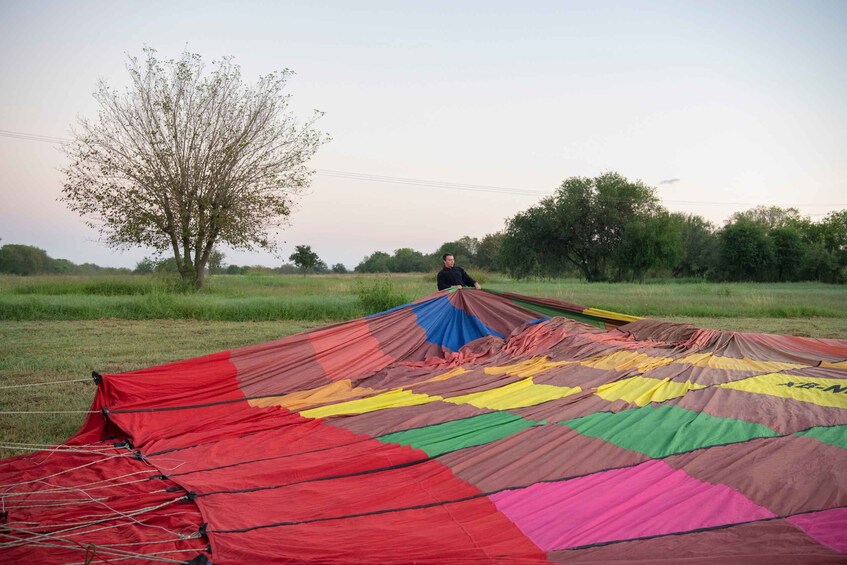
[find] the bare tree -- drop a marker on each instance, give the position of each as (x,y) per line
(183,159)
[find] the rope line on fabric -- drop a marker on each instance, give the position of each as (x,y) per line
(137,543)
(62,472)
(128,516)
(704,529)
(98,447)
(93,446)
(196,535)
(45,383)
(114,547)
(74,528)
(65,490)
(93,520)
(473,497)
(192,406)
(122,554)
(52,504)
(54,449)
(42,412)
(262,459)
(144,557)
(33,525)
(60,489)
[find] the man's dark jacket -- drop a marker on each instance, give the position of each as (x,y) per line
(452,277)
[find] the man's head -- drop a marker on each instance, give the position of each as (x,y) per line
(448,260)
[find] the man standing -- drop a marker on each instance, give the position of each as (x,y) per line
(451,275)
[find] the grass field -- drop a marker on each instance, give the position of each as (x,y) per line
(62,328)
(335,297)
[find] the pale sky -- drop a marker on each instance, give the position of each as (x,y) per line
(743,103)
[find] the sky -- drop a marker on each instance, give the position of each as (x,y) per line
(480,109)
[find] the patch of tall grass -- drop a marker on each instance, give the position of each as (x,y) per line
(96,286)
(378,295)
(177,306)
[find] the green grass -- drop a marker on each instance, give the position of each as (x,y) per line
(339,297)
(723,300)
(225,298)
(802,327)
(179,307)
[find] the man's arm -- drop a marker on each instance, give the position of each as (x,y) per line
(467,280)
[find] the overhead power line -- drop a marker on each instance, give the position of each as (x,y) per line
(430,183)
(32,136)
(367,177)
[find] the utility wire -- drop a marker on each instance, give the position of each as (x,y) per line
(430,183)
(367,177)
(45,383)
(4,412)
(32,136)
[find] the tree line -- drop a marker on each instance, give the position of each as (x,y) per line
(27,260)
(16,259)
(608,228)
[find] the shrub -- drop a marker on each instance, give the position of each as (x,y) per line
(379,295)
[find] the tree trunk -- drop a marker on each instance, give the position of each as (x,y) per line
(200,276)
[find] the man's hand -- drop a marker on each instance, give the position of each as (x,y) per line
(476,286)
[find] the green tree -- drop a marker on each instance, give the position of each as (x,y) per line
(339,268)
(820,264)
(746,252)
(23,260)
(145,267)
(167,265)
(648,243)
(61,266)
(529,247)
(407,260)
(376,262)
(788,252)
(216,262)
(89,269)
(463,251)
(769,216)
(488,251)
(305,259)
(833,235)
(183,160)
(582,224)
(699,247)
